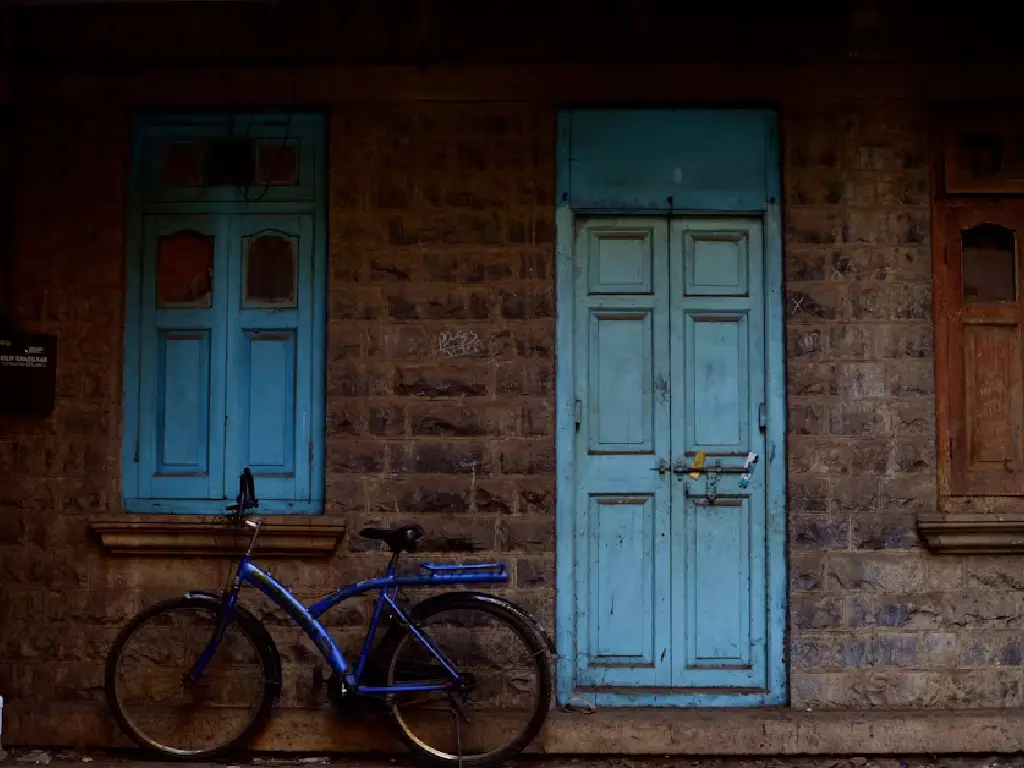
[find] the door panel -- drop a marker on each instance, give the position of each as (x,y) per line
(181,388)
(623,581)
(621,537)
(718,385)
(720,577)
(268,362)
(620,261)
(621,393)
(718,565)
(717,258)
(183,403)
(270,359)
(715,362)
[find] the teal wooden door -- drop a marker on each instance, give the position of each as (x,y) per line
(669,361)
(623,429)
(719,552)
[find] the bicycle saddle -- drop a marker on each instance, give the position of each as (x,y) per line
(401,538)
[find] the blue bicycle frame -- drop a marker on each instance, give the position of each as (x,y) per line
(308,618)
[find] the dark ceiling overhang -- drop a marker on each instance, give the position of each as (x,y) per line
(189,33)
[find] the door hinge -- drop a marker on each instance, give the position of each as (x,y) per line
(577,410)
(310,451)
(762,416)
(136,456)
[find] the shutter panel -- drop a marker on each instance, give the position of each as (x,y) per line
(270,356)
(986,421)
(181,387)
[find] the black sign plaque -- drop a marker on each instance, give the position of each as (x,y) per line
(28,373)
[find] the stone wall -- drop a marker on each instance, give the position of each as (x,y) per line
(440,398)
(59,598)
(875,620)
(440,389)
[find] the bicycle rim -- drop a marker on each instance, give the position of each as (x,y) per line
(147,691)
(506,706)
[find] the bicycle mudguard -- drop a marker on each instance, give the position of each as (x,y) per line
(519,611)
(253,624)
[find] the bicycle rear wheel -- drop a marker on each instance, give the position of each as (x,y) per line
(145,675)
(510,668)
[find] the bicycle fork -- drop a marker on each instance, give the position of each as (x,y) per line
(224,617)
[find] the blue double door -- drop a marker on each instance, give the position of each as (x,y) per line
(671,566)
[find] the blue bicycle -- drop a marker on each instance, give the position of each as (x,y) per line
(210,693)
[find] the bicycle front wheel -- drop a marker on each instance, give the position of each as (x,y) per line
(145,680)
(508,667)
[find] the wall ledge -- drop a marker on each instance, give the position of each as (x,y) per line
(962,534)
(653,732)
(205,535)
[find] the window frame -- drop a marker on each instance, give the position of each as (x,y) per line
(952,399)
(307,198)
(954,200)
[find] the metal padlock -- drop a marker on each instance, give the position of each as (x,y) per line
(713,482)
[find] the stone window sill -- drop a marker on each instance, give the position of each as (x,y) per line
(964,534)
(201,535)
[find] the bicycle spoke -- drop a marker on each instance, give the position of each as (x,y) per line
(447,679)
(458,736)
(149,682)
(500,690)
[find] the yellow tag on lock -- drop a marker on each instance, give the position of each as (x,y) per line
(698,462)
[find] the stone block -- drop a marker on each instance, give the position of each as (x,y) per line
(529,535)
(446,379)
(851,341)
(463,457)
(813,226)
(813,691)
(895,689)
(861,572)
(885,531)
(817,301)
(984,688)
(895,611)
(815,611)
(819,532)
(860,418)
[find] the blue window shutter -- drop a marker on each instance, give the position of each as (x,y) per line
(182,351)
(233,376)
(270,355)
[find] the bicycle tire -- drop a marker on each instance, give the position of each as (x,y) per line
(244,622)
(520,624)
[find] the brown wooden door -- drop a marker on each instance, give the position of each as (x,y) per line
(985,314)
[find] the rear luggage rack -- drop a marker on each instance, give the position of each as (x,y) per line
(446,570)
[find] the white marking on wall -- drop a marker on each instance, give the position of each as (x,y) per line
(460,343)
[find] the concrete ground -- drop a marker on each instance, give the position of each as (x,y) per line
(62,759)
